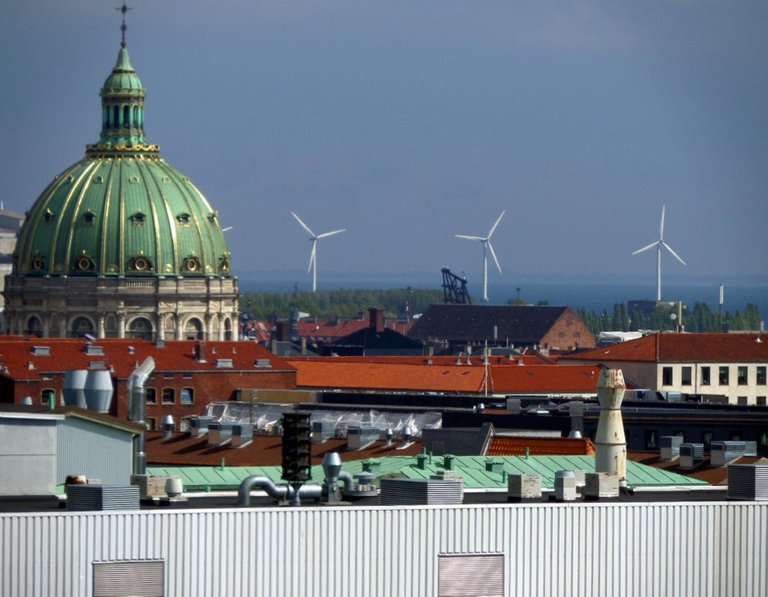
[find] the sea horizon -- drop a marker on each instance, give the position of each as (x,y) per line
(593,292)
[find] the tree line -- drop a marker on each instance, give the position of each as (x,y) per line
(664,318)
(405,302)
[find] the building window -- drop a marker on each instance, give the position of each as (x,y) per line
(651,440)
(686,381)
(169,395)
(741,375)
(47,396)
(760,378)
(151,424)
(723,376)
(761,401)
(706,438)
(706,378)
(666,376)
(187,396)
(151,394)
(735,436)
(742,401)
(185,425)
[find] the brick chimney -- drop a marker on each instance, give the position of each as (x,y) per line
(376,315)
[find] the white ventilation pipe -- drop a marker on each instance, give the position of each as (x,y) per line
(279,492)
(610,441)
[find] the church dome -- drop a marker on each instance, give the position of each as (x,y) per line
(122,210)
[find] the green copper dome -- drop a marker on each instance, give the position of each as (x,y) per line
(122,210)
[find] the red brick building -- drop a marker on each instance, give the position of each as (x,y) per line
(188,374)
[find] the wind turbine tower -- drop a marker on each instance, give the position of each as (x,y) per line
(659,244)
(313,238)
(487,248)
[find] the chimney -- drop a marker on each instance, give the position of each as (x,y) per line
(283,331)
(610,442)
(376,315)
(200,352)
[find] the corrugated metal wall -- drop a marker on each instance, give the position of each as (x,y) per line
(94,450)
(701,549)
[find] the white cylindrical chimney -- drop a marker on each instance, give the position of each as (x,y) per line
(610,442)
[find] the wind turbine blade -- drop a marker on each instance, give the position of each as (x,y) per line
(303,225)
(312,255)
(464,236)
(327,234)
(496,223)
(493,254)
(668,248)
(661,226)
(646,247)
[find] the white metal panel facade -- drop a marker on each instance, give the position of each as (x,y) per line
(95,450)
(702,549)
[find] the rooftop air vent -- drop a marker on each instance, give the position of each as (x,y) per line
(748,482)
(418,492)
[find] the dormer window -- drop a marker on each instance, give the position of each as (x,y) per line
(38,263)
(84,263)
(184,219)
(138,219)
(89,218)
(140,263)
(191,264)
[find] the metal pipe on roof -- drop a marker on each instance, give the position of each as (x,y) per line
(137,408)
(279,492)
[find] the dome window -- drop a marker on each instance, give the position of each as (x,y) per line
(184,219)
(191,264)
(166,179)
(84,263)
(224,265)
(138,219)
(134,179)
(49,215)
(38,263)
(213,216)
(141,264)
(89,218)
(98,179)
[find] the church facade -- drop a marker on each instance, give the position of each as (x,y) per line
(121,244)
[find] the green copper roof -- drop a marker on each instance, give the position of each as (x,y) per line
(471,468)
(122,210)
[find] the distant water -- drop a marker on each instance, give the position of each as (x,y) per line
(593,293)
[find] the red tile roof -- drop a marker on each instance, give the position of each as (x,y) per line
(714,475)
(338,328)
(667,347)
(540,446)
(264,450)
(442,375)
(20,359)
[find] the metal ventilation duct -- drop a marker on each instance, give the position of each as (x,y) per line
(98,390)
(420,492)
(748,482)
(137,408)
(74,387)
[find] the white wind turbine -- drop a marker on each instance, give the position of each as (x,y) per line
(487,248)
(659,244)
(313,255)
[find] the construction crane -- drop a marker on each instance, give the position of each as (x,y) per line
(455,288)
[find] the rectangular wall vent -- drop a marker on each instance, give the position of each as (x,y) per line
(143,578)
(470,575)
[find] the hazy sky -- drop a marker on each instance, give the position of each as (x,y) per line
(410,121)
